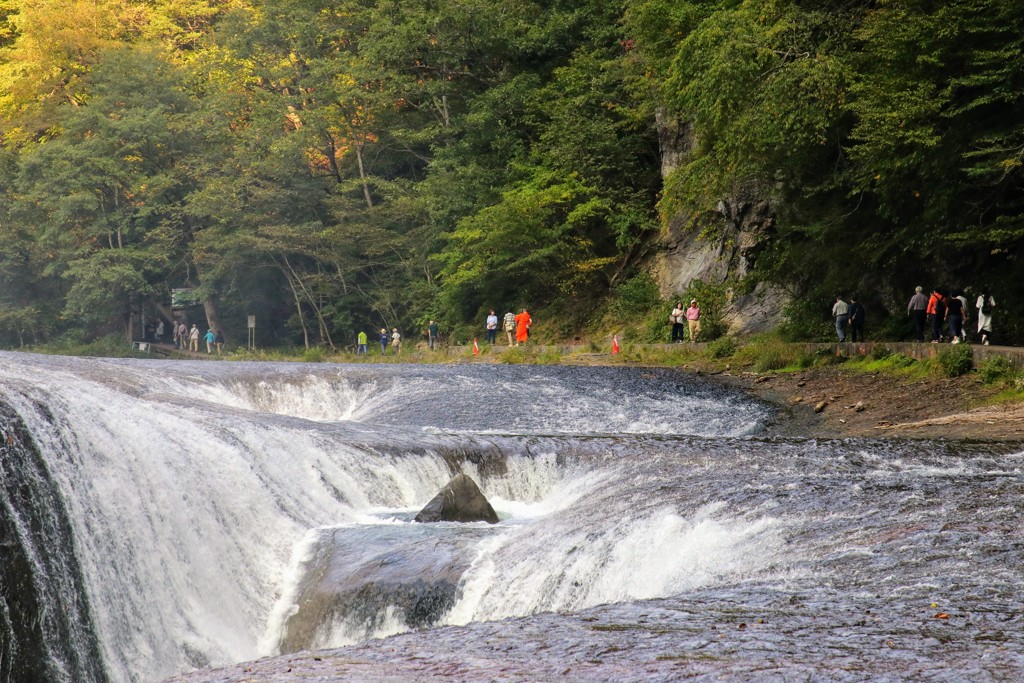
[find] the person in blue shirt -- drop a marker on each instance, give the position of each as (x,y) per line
(210,338)
(384,339)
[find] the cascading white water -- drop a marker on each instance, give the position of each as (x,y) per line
(192,489)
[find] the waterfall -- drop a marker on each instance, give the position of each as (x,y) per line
(180,506)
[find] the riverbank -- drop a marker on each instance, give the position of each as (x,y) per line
(835,402)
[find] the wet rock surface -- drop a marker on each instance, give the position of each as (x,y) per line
(461,500)
(358,577)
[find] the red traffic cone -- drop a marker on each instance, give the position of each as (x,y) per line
(476,349)
(615,343)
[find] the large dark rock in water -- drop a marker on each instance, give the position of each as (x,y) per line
(460,501)
(359,580)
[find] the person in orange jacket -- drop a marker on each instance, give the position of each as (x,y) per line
(523,322)
(936,313)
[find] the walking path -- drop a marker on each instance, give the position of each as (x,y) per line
(916,350)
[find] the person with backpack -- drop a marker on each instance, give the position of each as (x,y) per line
(936,313)
(985,305)
(510,325)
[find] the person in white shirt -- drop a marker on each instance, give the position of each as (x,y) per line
(492,328)
(676,317)
(396,341)
(841,312)
(985,304)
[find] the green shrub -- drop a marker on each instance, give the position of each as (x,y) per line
(314,355)
(995,369)
(723,347)
(636,297)
(771,353)
(900,360)
(712,299)
(513,356)
(803,321)
(956,360)
(655,328)
(880,352)
(549,358)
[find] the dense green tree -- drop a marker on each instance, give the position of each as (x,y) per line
(330,166)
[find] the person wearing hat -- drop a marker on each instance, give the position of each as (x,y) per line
(396,341)
(693,320)
(917,309)
(383,341)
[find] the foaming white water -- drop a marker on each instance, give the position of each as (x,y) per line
(312,397)
(567,564)
(193,489)
(186,516)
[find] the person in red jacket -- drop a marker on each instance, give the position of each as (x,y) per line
(936,313)
(523,322)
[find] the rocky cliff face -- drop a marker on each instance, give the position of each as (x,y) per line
(725,251)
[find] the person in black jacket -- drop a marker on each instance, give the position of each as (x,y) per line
(955,318)
(856,319)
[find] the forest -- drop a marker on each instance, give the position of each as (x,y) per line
(336,165)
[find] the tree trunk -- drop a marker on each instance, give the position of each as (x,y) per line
(358,146)
(212,315)
(294,277)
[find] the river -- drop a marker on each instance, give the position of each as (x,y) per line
(164,516)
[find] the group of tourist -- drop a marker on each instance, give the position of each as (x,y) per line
(386,339)
(952,311)
(684,321)
(516,327)
(941,312)
(188,339)
(849,315)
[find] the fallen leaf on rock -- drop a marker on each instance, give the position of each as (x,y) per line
(820,407)
(941,615)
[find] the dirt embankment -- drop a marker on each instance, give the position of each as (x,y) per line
(833,402)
